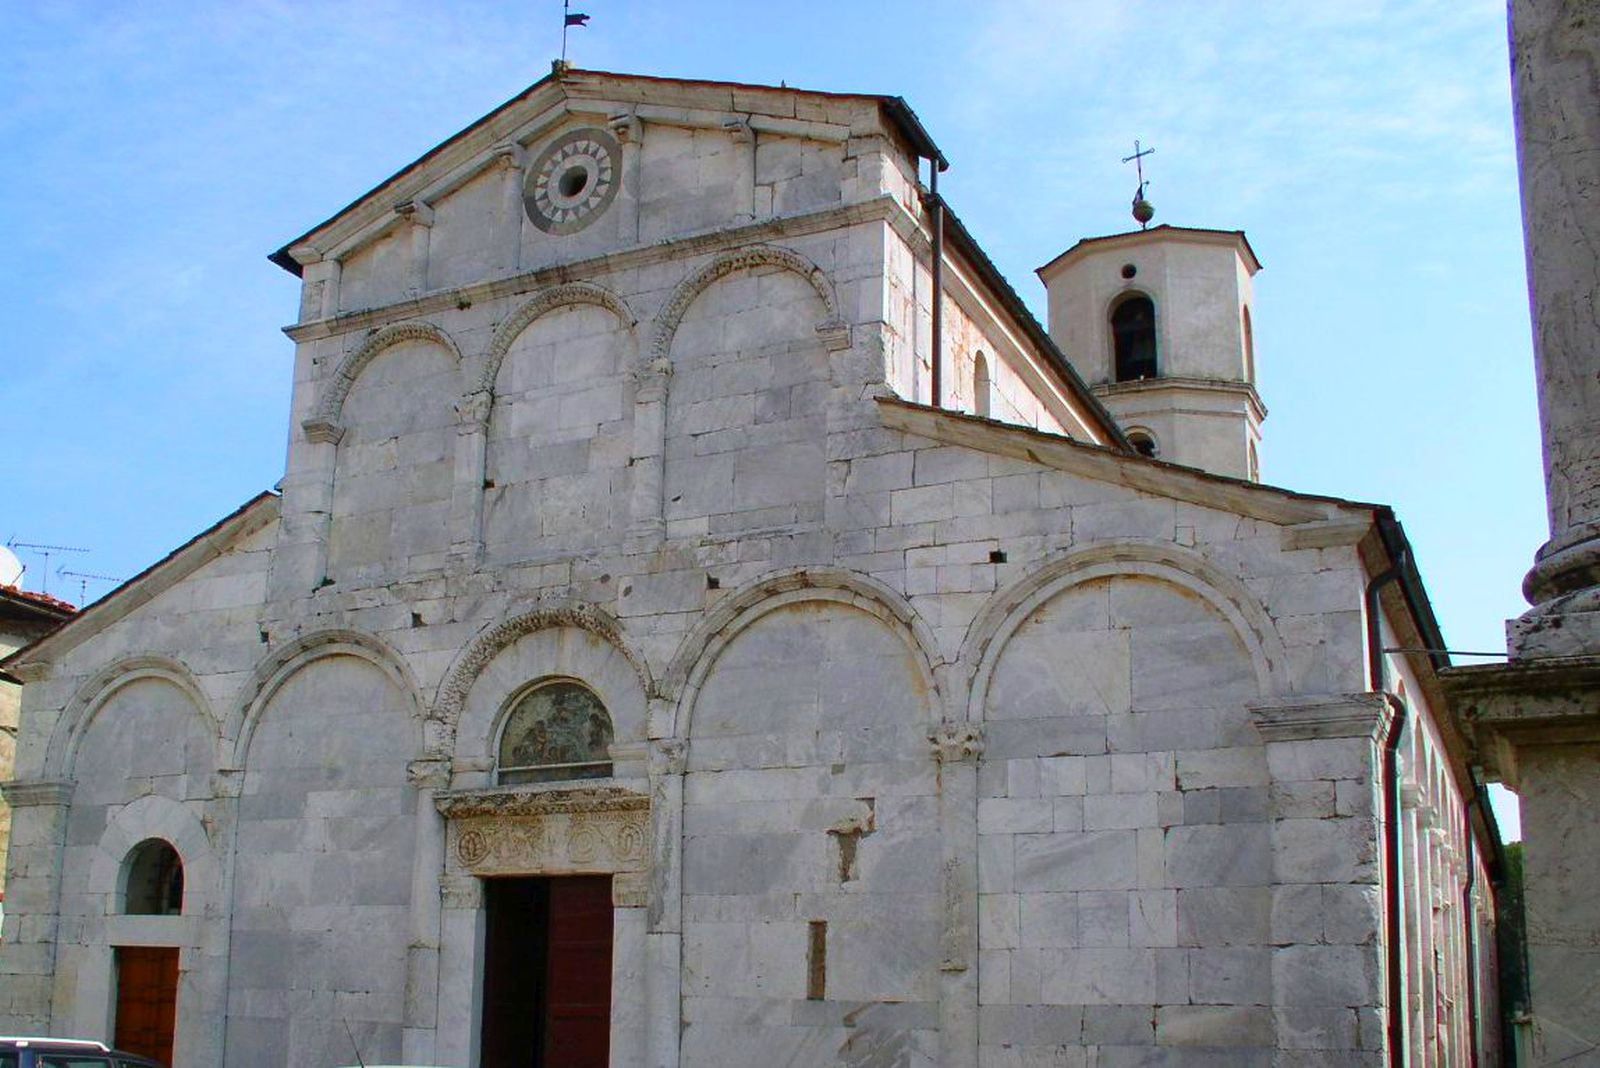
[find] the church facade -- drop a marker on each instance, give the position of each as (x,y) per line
(658,655)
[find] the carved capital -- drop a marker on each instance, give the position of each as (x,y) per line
(26,793)
(415,211)
(956,742)
(472,411)
(513,156)
(630,890)
(460,891)
(322,431)
(834,335)
(626,128)
(743,133)
(428,774)
(34,671)
(227,782)
(669,756)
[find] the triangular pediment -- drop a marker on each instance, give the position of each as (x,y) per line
(517,131)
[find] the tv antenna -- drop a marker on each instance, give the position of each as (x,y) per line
(83,578)
(44,551)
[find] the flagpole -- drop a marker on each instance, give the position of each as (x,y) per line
(566,9)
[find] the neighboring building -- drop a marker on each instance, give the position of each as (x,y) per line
(24,616)
(637,661)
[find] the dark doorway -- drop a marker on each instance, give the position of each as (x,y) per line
(147,1000)
(547,973)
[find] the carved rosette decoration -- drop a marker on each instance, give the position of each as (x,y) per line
(573,181)
(548,832)
(955,742)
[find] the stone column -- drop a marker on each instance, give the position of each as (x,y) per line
(957,747)
(466,495)
(420,216)
(664,912)
(1555,49)
(422,953)
(744,191)
(647,521)
(629,132)
(513,159)
(1324,759)
(33,903)
(1535,721)
(460,977)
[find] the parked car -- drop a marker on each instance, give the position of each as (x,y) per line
(66,1053)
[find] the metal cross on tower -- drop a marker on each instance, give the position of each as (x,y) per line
(1143,210)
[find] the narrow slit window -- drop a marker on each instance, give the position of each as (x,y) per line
(980,386)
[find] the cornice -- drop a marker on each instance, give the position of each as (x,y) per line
(27,793)
(1302,718)
(878,209)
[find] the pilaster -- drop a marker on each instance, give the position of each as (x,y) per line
(957,747)
(1327,916)
(33,893)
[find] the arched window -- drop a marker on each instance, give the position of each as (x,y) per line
(1249,348)
(557,731)
(980,386)
(1133,333)
(1143,442)
(154,880)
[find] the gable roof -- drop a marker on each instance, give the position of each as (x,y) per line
(894,108)
(151,582)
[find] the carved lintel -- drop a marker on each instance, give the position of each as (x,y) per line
(601,839)
(835,335)
(956,742)
(630,890)
(428,774)
(322,431)
(472,411)
(25,793)
(525,801)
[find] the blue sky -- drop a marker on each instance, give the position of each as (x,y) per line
(156,152)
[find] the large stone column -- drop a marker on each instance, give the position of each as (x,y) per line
(1536,719)
(1557,91)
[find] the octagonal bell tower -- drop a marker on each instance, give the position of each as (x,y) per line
(1157,322)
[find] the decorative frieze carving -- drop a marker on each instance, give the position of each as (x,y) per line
(529,832)
(955,742)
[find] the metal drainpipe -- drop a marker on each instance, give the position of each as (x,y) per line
(1470,918)
(1394,917)
(936,380)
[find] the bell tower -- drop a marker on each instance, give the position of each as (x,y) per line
(1157,321)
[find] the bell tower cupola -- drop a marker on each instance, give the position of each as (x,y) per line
(1157,321)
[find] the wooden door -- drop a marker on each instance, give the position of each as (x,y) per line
(147,1000)
(578,974)
(547,973)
